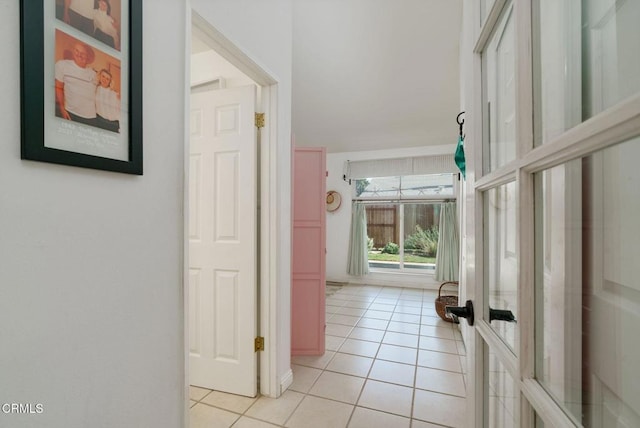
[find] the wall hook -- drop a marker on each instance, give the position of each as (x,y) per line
(460,123)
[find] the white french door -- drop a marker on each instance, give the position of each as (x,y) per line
(552,200)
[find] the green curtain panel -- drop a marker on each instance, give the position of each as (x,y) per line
(358,263)
(447,259)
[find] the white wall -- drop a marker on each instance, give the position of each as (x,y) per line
(263,31)
(91,312)
(339,222)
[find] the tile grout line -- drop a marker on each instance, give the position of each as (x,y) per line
(355,405)
(369,373)
(415,373)
(366,379)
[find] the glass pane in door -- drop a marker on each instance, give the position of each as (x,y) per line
(586,57)
(499,88)
(501,260)
(502,395)
(588,287)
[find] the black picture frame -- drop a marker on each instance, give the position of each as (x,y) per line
(51,43)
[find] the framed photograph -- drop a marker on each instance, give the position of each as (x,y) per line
(81,83)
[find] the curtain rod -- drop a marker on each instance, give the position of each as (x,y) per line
(393,201)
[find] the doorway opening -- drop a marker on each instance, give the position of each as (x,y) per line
(218,68)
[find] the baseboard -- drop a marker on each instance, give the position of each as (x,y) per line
(286,381)
(391,279)
(384,279)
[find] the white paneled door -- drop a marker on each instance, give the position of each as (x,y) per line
(223,240)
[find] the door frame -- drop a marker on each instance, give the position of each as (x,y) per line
(268,225)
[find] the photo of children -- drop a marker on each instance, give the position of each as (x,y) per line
(99,19)
(107,103)
(87,84)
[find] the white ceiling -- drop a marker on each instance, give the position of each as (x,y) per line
(374,74)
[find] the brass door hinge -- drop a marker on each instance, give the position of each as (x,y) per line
(259,344)
(259,120)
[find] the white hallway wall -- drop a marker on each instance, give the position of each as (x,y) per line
(263,31)
(339,222)
(91,312)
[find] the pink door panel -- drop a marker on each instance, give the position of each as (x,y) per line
(308,249)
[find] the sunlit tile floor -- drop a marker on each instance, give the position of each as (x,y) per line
(390,362)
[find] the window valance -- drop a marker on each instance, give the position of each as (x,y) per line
(437,164)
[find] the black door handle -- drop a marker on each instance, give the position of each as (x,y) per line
(501,315)
(465,311)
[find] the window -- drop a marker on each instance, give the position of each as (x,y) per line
(403,216)
(403,187)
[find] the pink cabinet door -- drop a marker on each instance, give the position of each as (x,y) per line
(308,252)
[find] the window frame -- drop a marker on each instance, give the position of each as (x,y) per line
(400,201)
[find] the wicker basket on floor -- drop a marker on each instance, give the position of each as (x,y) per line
(443,301)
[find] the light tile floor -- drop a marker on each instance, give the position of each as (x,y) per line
(391,362)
